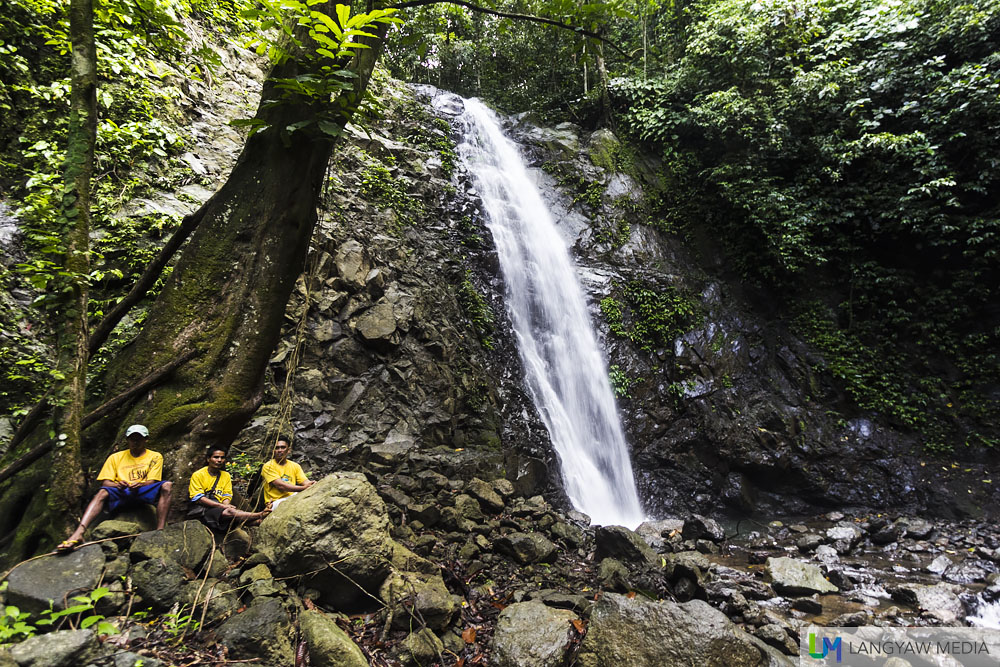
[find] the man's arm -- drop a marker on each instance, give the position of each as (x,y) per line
(282,485)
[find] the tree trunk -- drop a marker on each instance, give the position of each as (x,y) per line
(226,298)
(66,482)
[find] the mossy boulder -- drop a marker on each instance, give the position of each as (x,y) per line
(418,598)
(329,646)
(188,544)
(336,533)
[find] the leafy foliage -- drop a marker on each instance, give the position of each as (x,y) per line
(649,316)
(848,144)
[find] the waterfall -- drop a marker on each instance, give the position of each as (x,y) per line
(565,372)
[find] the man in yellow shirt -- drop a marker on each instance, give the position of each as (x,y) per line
(282,478)
(210,493)
(129,477)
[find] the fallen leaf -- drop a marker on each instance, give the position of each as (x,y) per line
(630,595)
(580,626)
(469,635)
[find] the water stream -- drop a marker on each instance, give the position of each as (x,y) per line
(565,372)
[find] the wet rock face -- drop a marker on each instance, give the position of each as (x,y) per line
(406,339)
(33,585)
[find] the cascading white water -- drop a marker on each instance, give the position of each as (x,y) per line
(565,372)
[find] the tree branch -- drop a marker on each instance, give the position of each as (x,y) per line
(101,411)
(509,15)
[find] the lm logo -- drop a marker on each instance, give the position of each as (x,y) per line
(827,647)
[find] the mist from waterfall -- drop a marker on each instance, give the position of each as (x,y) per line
(565,372)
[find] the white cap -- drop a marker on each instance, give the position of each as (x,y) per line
(137,428)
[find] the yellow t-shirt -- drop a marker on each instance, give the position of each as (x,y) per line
(291,472)
(202,481)
(123,467)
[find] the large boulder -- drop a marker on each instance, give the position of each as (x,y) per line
(263,631)
(188,544)
(64,648)
(624,545)
(336,532)
(532,634)
(795,577)
(33,584)
(642,633)
(329,646)
(527,548)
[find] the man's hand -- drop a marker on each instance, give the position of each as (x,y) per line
(306,484)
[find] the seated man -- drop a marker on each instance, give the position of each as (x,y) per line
(129,477)
(282,478)
(211,492)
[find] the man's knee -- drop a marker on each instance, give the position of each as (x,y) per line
(166,486)
(101,495)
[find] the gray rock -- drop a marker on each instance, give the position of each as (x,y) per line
(261,631)
(844,537)
(420,648)
(917,528)
(939,565)
(940,600)
(795,577)
(340,519)
(118,527)
(489,499)
(353,264)
(699,527)
(809,542)
(158,581)
(526,548)
(55,578)
(394,448)
(775,635)
(642,633)
(613,576)
(63,648)
(188,543)
(566,532)
(826,554)
(624,545)
(531,634)
(418,598)
(468,508)
(329,645)
(378,323)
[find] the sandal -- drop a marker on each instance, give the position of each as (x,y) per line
(68,546)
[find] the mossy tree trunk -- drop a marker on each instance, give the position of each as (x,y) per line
(66,479)
(225,298)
